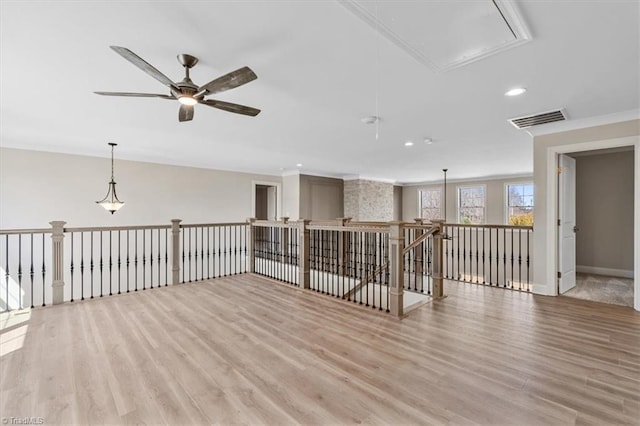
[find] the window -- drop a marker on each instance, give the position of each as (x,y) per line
(520,204)
(431,203)
(471,204)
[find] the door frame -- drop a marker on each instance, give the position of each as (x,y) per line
(278,185)
(552,205)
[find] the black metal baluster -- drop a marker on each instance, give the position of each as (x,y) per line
(101,265)
(528,264)
(365,276)
(512,258)
(219,254)
(128,261)
(458,253)
(195,257)
(208,251)
(224,250)
(19,273)
(71,268)
(490,256)
(119,260)
(464,254)
(387,292)
(110,264)
(166,257)
(159,260)
(339,274)
(144,260)
(31,271)
(237,249)
(362,265)
(135,260)
(202,253)
(504,257)
(471,276)
(519,259)
(279,252)
(81,266)
(184,232)
(323,260)
(497,257)
(91,265)
(477,256)
(150,257)
(44,272)
(7,274)
(189,254)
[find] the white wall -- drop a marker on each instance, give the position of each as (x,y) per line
(321,198)
(495,198)
(545,150)
(291,196)
(38,187)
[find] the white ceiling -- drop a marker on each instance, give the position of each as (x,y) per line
(320,69)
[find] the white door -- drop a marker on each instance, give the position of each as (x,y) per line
(567,223)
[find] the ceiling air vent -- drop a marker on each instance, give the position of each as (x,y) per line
(538,119)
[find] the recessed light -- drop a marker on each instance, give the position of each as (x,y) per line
(516,91)
(299,165)
(408,143)
(370,119)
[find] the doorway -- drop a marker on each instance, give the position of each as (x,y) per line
(266,200)
(595,225)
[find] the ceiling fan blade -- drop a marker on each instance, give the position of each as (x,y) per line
(145,66)
(136,95)
(185,113)
(228,106)
(228,81)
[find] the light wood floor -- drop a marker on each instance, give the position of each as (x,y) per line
(245,350)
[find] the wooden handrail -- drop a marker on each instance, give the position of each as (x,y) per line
(462,225)
(205,225)
(25,231)
(116,228)
(419,240)
(349,228)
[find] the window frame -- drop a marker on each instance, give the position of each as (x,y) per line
(506,198)
(429,188)
(484,207)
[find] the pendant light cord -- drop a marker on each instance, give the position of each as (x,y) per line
(111,163)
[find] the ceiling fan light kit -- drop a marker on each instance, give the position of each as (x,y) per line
(186,92)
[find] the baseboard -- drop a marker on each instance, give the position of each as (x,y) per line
(604,271)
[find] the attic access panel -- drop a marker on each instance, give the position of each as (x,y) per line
(444,34)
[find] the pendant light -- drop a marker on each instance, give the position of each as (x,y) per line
(110,202)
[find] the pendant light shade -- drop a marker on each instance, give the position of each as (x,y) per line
(110,202)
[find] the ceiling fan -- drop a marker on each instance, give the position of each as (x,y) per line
(186,91)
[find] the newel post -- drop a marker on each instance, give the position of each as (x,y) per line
(304,243)
(251,241)
(396,269)
(57,260)
(438,259)
(343,245)
(175,251)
